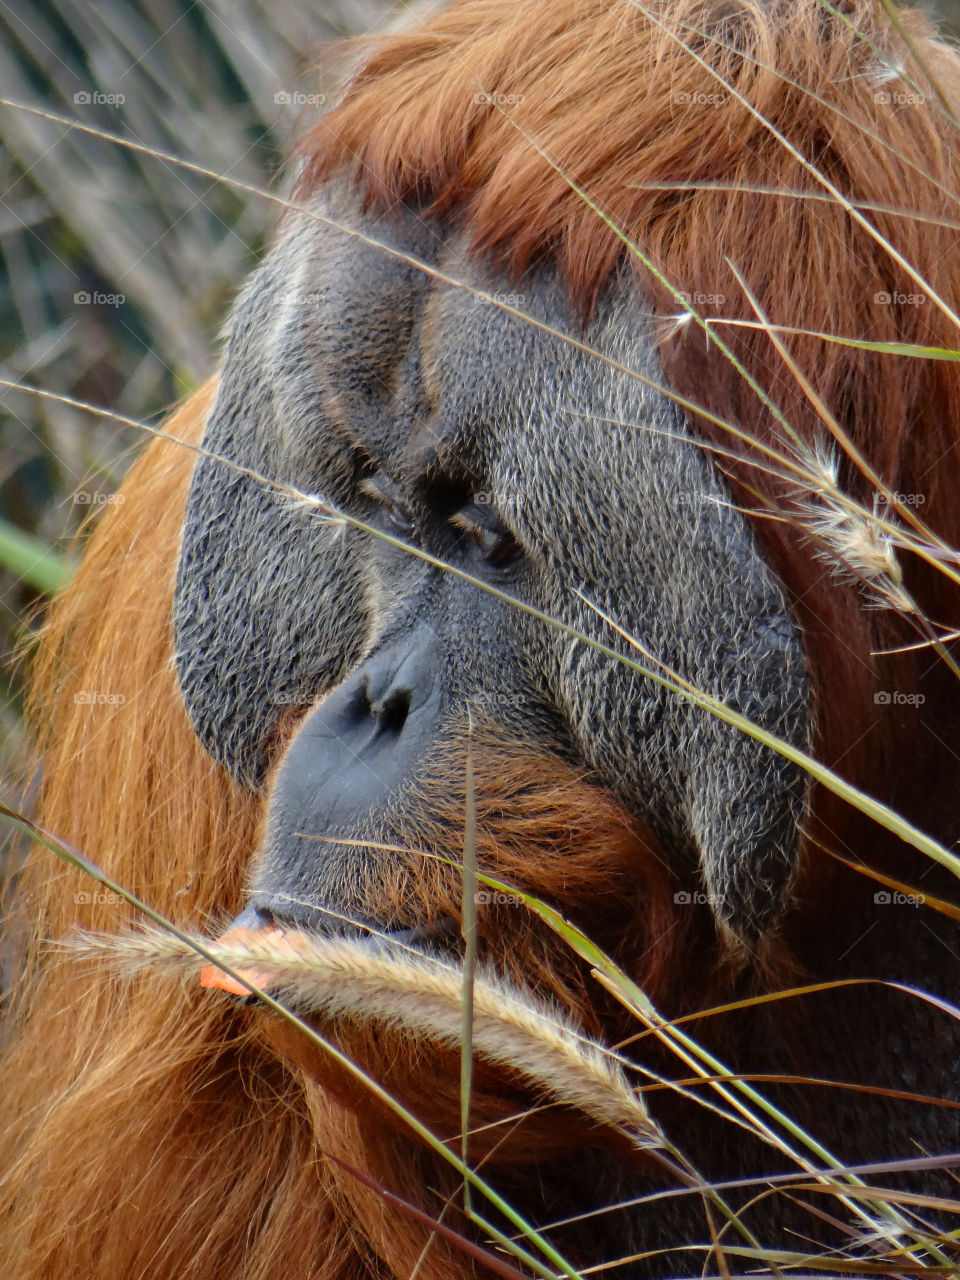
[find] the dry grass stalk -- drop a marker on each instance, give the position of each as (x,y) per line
(352,977)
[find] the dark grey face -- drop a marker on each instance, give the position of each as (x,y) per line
(534,467)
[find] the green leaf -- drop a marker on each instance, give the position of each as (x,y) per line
(34,561)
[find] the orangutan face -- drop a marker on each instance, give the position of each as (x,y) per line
(548,473)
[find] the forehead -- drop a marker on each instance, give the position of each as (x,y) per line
(457,360)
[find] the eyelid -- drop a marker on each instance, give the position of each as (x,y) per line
(461,520)
(488,531)
(387,492)
(474,518)
(374,487)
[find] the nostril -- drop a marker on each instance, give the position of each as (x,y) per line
(392,715)
(360,705)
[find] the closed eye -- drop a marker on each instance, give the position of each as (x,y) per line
(388,494)
(484,528)
(476,518)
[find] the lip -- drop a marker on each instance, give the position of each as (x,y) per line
(249,927)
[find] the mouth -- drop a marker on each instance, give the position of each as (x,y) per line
(262,924)
(387,1003)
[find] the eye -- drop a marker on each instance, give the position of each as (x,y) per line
(388,494)
(480,522)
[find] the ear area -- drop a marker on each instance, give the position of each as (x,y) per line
(743,801)
(268,605)
(255,568)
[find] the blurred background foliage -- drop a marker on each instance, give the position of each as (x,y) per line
(117,268)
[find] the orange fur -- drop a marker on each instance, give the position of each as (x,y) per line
(155,1132)
(169,1107)
(120,1099)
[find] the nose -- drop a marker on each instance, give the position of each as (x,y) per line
(354,750)
(379,710)
(382,695)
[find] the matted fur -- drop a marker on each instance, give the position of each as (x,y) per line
(150,1131)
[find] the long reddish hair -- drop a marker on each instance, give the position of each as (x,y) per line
(153,1131)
